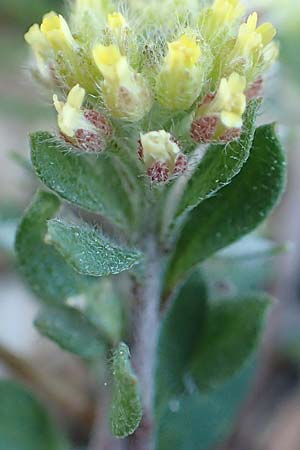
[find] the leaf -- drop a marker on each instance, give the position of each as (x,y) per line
(126,409)
(235,210)
(229,336)
(180,330)
(200,421)
(104,310)
(24,423)
(204,343)
(88,251)
(220,164)
(48,275)
(71,331)
(89,181)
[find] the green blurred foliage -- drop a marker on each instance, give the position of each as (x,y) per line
(24,12)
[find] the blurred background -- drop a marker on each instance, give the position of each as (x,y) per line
(24,108)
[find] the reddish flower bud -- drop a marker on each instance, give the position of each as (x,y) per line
(162,155)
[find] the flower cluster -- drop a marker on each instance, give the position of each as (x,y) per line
(134,70)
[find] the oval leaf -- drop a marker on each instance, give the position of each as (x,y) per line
(235,210)
(71,331)
(89,181)
(89,252)
(48,275)
(126,409)
(230,334)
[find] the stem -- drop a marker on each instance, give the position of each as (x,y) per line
(102,439)
(145,327)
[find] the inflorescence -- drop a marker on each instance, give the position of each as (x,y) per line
(172,72)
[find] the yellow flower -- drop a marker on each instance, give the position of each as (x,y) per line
(116,21)
(125,91)
(223,13)
(254,44)
(227,11)
(159,146)
(183,53)
(70,115)
(57,32)
(180,79)
(229,103)
(230,100)
(40,46)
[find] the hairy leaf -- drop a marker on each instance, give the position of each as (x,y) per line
(236,209)
(71,331)
(220,164)
(24,423)
(89,181)
(88,251)
(126,409)
(103,307)
(48,275)
(229,336)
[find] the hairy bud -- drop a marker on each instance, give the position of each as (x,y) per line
(87,130)
(162,156)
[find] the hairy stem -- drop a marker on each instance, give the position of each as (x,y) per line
(102,439)
(145,327)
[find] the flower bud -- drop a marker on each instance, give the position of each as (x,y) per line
(219,114)
(180,79)
(85,129)
(40,46)
(223,14)
(125,92)
(57,32)
(162,155)
(254,45)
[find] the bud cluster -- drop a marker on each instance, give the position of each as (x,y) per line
(141,68)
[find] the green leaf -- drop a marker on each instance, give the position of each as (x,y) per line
(103,308)
(180,330)
(89,181)
(200,421)
(220,164)
(126,409)
(235,210)
(48,275)
(88,251)
(204,343)
(24,423)
(71,330)
(229,336)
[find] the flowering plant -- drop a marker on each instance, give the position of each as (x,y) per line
(159,166)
